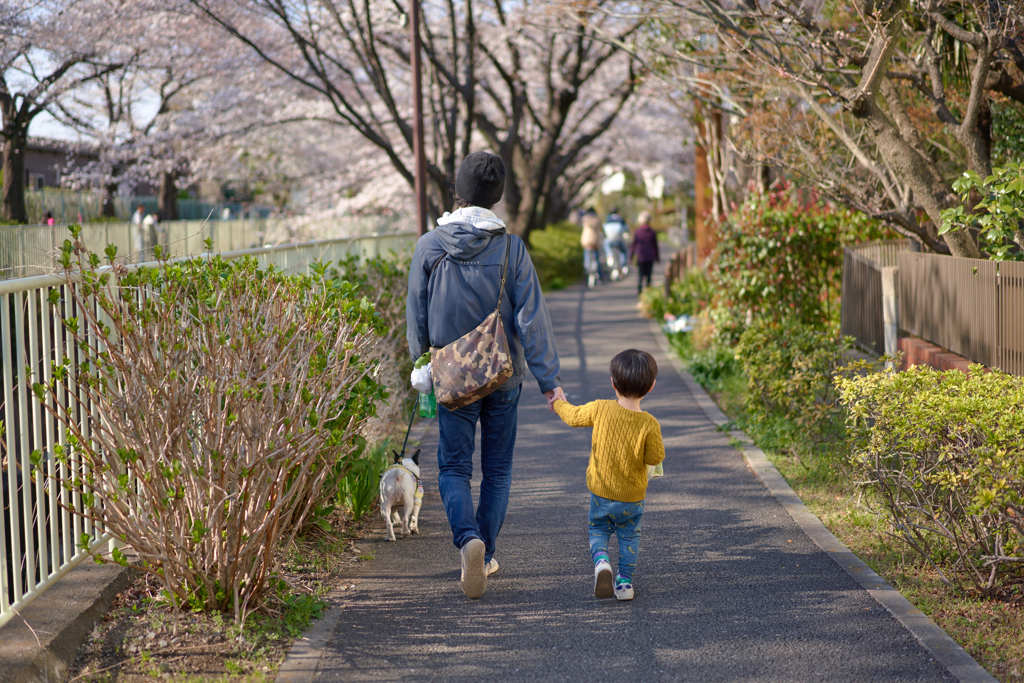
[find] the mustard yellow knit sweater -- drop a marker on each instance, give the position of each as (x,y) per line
(623,444)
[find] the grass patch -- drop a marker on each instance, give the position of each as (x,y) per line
(557,255)
(989,630)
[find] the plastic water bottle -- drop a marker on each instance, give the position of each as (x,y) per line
(428,405)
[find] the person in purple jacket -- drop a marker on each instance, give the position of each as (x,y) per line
(644,249)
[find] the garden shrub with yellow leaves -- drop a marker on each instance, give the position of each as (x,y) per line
(944,453)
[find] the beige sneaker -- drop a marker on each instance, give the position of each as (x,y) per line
(491,567)
(474,577)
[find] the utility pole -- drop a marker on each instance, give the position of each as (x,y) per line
(417,116)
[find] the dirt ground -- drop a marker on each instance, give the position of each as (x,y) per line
(142,637)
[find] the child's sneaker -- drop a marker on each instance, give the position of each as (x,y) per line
(603,579)
(491,567)
(623,588)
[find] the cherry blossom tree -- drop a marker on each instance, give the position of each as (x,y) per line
(529,81)
(47,49)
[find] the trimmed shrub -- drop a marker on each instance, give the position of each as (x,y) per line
(944,453)
(228,393)
(789,368)
(688,295)
(557,255)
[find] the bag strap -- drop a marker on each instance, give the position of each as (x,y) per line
(504,271)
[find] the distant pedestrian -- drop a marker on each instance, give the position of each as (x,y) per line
(150,232)
(591,239)
(138,235)
(645,250)
(49,218)
(625,441)
(616,232)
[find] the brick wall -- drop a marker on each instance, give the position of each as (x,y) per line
(920,352)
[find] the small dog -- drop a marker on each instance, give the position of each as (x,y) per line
(400,487)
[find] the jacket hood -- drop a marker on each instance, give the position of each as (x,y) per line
(466,232)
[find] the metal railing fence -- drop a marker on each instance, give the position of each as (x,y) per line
(972,307)
(27,250)
(868,310)
(41,537)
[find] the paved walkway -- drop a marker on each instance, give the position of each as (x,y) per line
(728,587)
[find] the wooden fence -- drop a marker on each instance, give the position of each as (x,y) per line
(868,302)
(678,264)
(972,307)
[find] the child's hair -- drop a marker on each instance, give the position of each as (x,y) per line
(633,372)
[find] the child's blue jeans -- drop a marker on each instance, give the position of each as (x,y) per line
(623,519)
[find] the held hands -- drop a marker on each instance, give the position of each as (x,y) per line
(554,395)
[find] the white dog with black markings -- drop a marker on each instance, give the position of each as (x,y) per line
(400,487)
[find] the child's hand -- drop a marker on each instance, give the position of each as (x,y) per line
(554,395)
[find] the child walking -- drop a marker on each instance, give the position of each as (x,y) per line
(625,441)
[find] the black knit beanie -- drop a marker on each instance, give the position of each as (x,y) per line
(481,179)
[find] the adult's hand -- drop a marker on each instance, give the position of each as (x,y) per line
(554,395)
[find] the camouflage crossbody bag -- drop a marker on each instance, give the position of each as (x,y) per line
(476,363)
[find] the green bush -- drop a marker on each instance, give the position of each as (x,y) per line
(710,366)
(382,281)
(228,392)
(789,368)
(780,256)
(944,452)
(358,488)
(688,295)
(557,255)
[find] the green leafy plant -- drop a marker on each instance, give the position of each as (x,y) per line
(557,255)
(228,394)
(688,295)
(998,213)
(779,255)
(359,487)
(944,453)
(789,368)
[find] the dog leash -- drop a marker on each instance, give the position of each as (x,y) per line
(412,416)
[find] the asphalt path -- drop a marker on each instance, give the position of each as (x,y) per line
(727,586)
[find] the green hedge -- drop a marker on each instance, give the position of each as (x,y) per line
(557,255)
(944,452)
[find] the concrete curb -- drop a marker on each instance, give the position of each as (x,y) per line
(944,649)
(41,643)
(302,662)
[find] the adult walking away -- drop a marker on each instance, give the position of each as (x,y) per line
(591,239)
(616,231)
(453,284)
(645,249)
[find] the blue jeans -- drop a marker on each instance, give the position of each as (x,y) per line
(498,416)
(623,519)
(591,261)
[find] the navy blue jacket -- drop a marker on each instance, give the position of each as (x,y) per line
(453,286)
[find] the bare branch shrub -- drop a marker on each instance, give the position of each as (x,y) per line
(228,393)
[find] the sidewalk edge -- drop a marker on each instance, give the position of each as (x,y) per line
(937,642)
(302,662)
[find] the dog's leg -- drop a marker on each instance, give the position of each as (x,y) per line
(414,520)
(386,511)
(407,499)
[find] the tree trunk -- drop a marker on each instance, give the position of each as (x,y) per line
(167,200)
(14,178)
(109,209)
